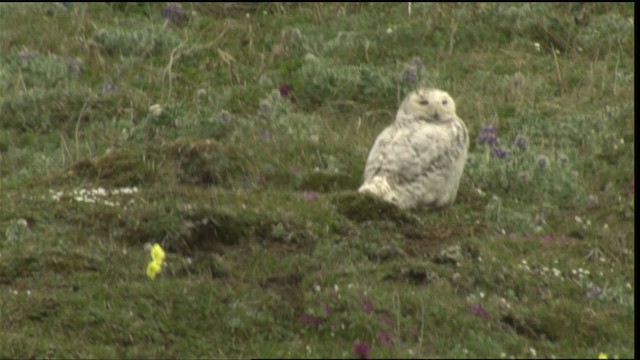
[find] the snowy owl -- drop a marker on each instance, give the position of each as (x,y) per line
(419,159)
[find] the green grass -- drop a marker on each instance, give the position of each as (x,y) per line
(270,250)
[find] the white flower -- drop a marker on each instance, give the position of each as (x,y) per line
(536,46)
(155,109)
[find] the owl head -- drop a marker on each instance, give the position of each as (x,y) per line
(431,105)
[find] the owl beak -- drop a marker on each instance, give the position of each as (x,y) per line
(436,116)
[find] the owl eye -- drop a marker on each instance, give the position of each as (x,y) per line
(423,102)
(445,102)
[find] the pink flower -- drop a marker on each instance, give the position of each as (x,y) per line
(385,338)
(385,319)
(366,303)
(284,90)
(310,196)
(479,311)
(310,320)
(361,350)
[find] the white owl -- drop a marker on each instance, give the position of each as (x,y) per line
(419,159)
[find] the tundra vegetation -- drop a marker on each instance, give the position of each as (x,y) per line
(235,136)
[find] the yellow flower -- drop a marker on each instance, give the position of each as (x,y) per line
(602,356)
(157,254)
(153,269)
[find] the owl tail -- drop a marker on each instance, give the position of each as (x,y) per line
(377,185)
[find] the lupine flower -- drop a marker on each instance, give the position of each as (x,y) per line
(361,349)
(74,66)
(224,116)
(542,161)
(499,152)
(488,135)
(521,142)
(479,311)
(418,63)
(410,75)
(173,13)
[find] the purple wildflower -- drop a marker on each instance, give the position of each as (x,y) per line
(327,309)
(361,349)
(224,116)
(173,13)
(410,75)
(521,142)
(593,292)
(108,88)
(284,90)
(479,311)
(548,238)
(488,135)
(543,161)
(366,303)
(74,66)
(310,320)
(418,63)
(385,338)
(499,152)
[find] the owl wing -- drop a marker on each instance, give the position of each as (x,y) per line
(406,154)
(392,155)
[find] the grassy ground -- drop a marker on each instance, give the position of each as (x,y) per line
(235,135)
